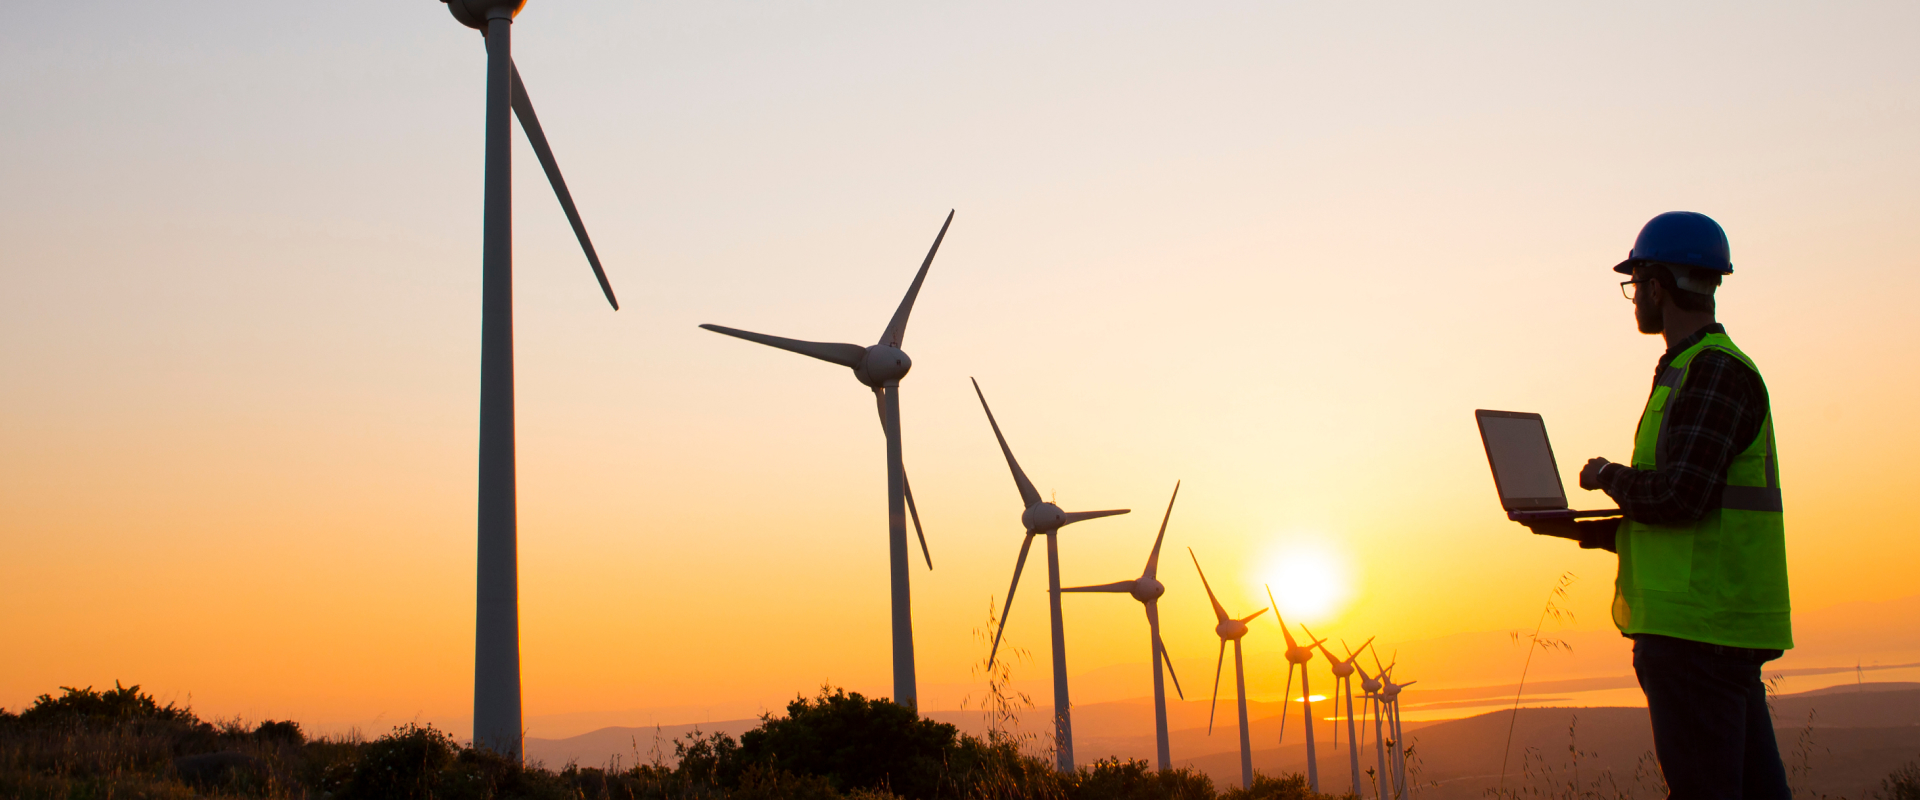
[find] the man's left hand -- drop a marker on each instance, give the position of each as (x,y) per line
(1590,474)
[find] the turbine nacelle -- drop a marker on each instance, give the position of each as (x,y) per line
(1042,517)
(1147,590)
(1230,629)
(1299,655)
(1341,669)
(475,13)
(881,365)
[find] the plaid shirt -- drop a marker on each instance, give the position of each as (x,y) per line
(1710,419)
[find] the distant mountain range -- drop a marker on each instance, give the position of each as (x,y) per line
(1842,740)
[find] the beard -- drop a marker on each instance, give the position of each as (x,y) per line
(1651,318)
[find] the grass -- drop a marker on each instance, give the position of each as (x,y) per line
(120,743)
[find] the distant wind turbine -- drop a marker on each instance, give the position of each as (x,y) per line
(1147,589)
(1372,685)
(1297,656)
(1042,518)
(1230,630)
(1389,703)
(880,367)
(496,635)
(1343,670)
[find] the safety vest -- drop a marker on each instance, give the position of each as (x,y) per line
(1720,579)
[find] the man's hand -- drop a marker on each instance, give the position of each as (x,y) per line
(1590,474)
(1563,528)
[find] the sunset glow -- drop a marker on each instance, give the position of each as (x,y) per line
(1311,581)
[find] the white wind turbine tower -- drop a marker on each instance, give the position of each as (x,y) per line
(881,367)
(1147,589)
(1371,685)
(1230,630)
(1043,518)
(1343,682)
(1389,701)
(1297,656)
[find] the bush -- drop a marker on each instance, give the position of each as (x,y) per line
(854,743)
(284,732)
(116,705)
(1903,784)
(401,765)
(1133,779)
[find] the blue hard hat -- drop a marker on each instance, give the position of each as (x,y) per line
(1682,238)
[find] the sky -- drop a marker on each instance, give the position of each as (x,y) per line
(1277,251)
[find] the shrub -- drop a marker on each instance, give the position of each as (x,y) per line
(1903,784)
(1133,779)
(283,732)
(1265,787)
(854,743)
(86,706)
(401,765)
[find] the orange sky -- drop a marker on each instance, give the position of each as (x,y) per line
(1278,253)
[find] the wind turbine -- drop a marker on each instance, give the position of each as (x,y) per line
(1230,630)
(1372,685)
(1390,696)
(496,639)
(880,367)
(1297,656)
(1147,589)
(1388,700)
(1343,680)
(1044,518)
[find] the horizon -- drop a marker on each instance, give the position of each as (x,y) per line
(1279,254)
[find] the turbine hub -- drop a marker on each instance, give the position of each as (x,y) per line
(1370,685)
(1043,517)
(1299,655)
(475,13)
(1342,669)
(882,365)
(1231,629)
(1147,590)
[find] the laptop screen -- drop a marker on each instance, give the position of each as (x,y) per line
(1522,460)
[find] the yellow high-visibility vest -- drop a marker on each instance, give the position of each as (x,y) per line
(1720,579)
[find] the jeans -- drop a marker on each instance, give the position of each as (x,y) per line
(1711,728)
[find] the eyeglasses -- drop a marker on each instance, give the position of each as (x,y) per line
(1630,288)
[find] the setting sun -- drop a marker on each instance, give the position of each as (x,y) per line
(1310,580)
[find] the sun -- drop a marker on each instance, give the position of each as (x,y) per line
(1310,581)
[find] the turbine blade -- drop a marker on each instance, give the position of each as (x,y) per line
(1286,697)
(523,108)
(914,511)
(1168,658)
(897,328)
(1253,616)
(1214,704)
(1153,559)
(1018,565)
(1282,620)
(1322,644)
(1116,586)
(1028,495)
(1083,516)
(1310,637)
(1220,614)
(846,355)
(880,400)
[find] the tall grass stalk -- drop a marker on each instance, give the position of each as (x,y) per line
(1534,642)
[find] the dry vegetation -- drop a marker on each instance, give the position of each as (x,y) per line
(120,743)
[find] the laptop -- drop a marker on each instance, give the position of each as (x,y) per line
(1523,467)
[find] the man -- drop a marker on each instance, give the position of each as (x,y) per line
(1702,586)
